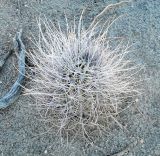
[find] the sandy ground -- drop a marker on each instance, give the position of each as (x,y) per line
(21,130)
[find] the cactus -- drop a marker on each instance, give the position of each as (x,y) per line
(79,79)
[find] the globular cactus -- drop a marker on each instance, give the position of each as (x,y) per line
(80,80)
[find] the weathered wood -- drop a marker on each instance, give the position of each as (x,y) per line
(16,89)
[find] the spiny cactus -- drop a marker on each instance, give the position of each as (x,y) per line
(80,79)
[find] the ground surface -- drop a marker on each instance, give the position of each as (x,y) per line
(21,131)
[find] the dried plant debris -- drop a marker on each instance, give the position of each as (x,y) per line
(15,90)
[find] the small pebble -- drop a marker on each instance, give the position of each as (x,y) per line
(45,152)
